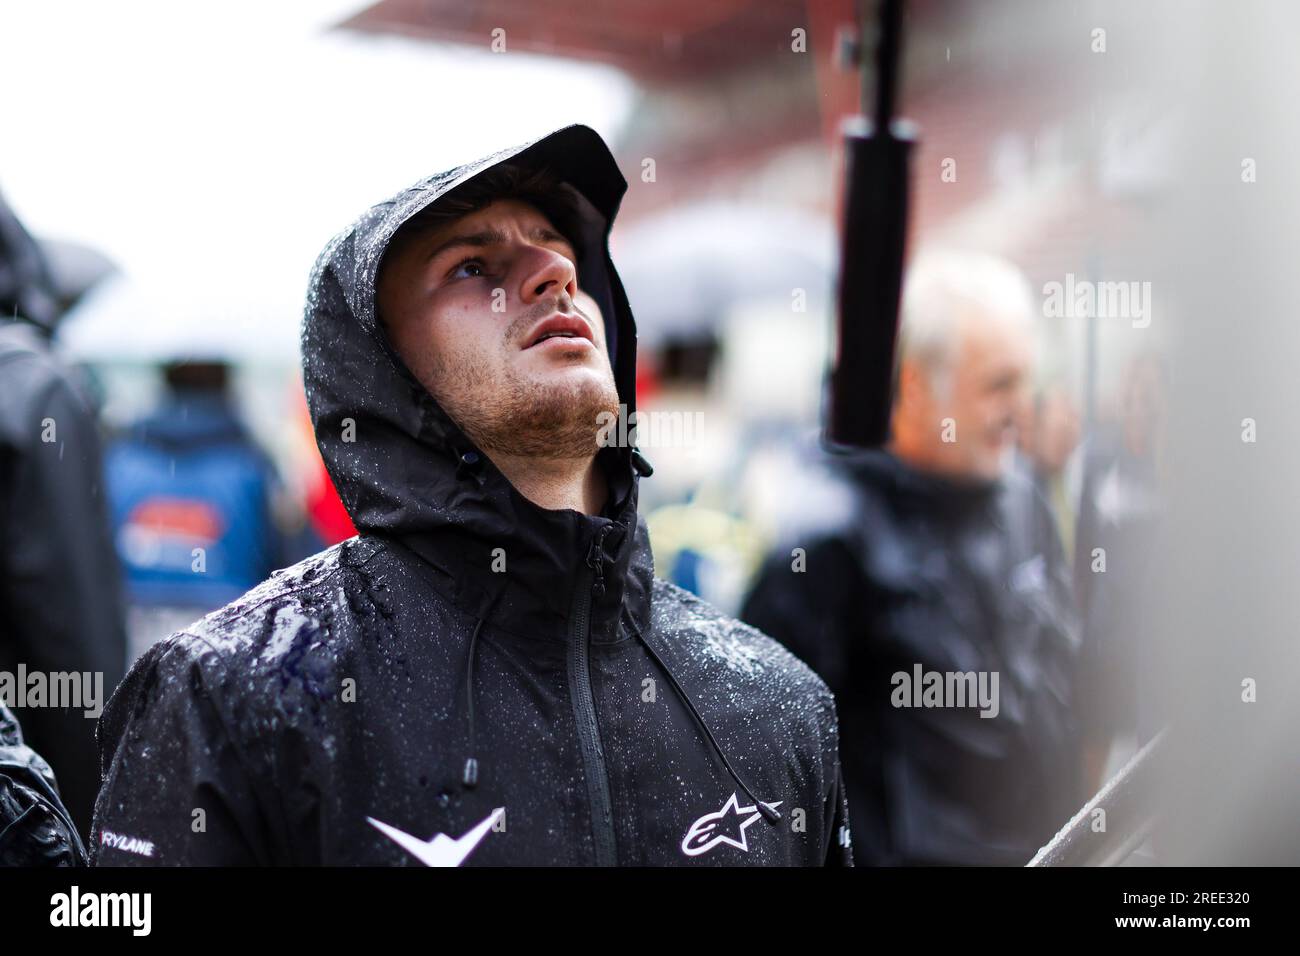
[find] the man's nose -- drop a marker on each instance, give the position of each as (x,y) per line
(546,273)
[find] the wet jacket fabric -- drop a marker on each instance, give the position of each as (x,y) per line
(923,572)
(61,608)
(473,679)
(35,829)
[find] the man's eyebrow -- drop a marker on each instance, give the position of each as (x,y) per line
(546,234)
(494,237)
(475,240)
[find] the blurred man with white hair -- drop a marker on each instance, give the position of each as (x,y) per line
(935,611)
(966,353)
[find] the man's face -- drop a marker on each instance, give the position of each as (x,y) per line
(983,391)
(487,314)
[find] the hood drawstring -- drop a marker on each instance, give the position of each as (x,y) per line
(641,464)
(769,813)
(470,777)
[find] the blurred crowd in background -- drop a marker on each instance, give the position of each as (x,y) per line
(189,469)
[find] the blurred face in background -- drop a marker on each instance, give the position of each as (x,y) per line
(1143,407)
(957,416)
(1050,431)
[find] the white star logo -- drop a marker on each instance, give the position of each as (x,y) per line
(727,825)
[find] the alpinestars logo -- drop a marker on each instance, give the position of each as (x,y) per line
(727,825)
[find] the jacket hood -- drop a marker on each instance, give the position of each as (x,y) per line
(405,470)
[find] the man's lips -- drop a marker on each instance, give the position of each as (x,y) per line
(568,329)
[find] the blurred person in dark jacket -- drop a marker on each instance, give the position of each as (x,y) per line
(1120,510)
(1048,438)
(60,604)
(931,608)
(194,504)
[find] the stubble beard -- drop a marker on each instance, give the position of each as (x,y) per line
(506,413)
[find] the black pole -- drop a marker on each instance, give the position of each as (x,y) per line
(871,252)
(887,62)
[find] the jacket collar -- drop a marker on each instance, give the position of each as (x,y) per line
(520,566)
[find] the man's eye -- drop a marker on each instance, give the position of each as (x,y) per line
(468,269)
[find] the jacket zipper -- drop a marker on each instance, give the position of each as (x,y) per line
(584,711)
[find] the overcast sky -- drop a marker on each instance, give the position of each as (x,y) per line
(213,149)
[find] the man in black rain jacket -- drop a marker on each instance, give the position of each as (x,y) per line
(475,677)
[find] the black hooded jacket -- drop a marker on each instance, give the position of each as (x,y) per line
(473,677)
(951,578)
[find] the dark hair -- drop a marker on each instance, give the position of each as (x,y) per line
(537,187)
(203,376)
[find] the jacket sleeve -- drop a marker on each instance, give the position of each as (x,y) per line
(806,601)
(35,829)
(836,837)
(177,789)
(839,841)
(59,582)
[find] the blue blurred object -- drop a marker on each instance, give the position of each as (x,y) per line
(686,570)
(189,493)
